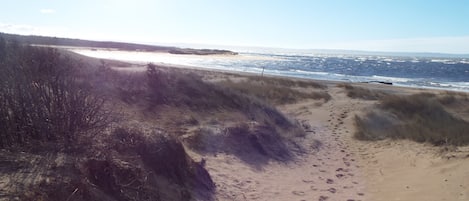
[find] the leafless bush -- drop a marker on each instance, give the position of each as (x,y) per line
(42,99)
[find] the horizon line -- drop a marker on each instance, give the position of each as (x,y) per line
(175,44)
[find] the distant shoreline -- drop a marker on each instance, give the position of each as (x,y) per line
(237,64)
(67,42)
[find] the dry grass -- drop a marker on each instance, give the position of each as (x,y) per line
(419,117)
(169,94)
(277,91)
(128,164)
(255,144)
(361,93)
(278,81)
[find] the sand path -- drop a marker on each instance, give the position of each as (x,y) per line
(328,170)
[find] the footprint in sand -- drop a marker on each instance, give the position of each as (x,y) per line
(299,193)
(308,181)
(323,198)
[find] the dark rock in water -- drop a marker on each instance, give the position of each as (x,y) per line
(387,83)
(380,82)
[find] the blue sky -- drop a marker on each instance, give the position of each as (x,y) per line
(377,25)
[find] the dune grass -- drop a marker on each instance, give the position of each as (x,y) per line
(167,90)
(279,81)
(278,91)
(361,93)
(420,117)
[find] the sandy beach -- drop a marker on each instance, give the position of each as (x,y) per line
(336,166)
(257,138)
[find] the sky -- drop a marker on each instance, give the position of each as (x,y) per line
(373,25)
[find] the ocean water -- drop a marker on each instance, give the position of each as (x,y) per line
(425,72)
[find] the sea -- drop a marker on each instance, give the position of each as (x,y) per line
(435,72)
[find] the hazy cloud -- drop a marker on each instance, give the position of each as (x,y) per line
(457,45)
(56,31)
(30,30)
(47,11)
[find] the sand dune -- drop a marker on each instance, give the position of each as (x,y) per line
(322,162)
(335,166)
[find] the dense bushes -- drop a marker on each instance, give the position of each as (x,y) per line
(42,99)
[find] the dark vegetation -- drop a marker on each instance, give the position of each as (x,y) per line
(55,142)
(278,90)
(132,165)
(362,93)
(421,117)
(45,40)
(42,101)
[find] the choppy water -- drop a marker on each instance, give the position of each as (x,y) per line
(442,73)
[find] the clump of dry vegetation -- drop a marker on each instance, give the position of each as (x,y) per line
(420,117)
(132,165)
(42,99)
(361,93)
(252,143)
(279,90)
(286,82)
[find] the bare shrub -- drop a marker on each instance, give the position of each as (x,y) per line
(42,99)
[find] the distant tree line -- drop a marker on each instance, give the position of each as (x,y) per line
(46,40)
(42,99)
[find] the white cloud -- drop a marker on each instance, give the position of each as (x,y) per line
(47,11)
